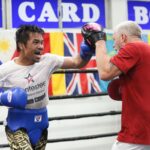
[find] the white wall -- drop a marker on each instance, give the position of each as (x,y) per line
(116,12)
(79,127)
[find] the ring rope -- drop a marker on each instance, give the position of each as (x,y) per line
(77,96)
(73,138)
(82,137)
(80,116)
(85,115)
(76,71)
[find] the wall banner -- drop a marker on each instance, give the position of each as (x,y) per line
(139,11)
(45,13)
(76,13)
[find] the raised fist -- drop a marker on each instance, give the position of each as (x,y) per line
(92,32)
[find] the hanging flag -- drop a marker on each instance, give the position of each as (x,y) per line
(79,83)
(57,82)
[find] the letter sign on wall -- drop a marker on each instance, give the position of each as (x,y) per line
(45,13)
(42,13)
(76,13)
(139,11)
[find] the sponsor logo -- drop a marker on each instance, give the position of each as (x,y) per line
(38,118)
(35,87)
(29,78)
(36,99)
(9,96)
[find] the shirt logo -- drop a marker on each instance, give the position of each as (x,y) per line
(29,78)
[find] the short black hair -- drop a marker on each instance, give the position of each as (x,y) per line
(22,34)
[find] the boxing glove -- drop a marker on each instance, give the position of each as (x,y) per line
(14,97)
(92,32)
(86,51)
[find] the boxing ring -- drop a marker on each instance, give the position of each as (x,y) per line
(78,122)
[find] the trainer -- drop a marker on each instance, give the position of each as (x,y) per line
(131,64)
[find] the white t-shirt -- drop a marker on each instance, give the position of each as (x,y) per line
(34,78)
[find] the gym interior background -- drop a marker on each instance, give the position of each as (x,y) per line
(81,114)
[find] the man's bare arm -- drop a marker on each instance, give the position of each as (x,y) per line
(106,69)
(74,62)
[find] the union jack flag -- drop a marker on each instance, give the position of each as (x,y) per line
(79,83)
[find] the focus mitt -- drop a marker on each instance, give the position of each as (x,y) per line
(114,89)
(92,32)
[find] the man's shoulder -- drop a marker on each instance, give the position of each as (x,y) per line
(137,43)
(48,55)
(7,63)
(52,56)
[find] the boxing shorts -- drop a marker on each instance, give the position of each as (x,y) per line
(34,121)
